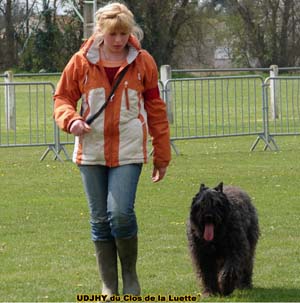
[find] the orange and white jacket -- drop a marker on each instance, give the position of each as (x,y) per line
(119,134)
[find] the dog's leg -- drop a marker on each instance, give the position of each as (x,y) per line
(246,274)
(228,278)
(209,276)
(237,259)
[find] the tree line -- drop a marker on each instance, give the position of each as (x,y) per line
(35,36)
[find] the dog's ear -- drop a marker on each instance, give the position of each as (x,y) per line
(219,188)
(202,187)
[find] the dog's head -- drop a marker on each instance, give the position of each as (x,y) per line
(209,209)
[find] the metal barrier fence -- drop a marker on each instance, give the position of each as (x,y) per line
(233,106)
(26,116)
(281,109)
(205,107)
(284,118)
(209,107)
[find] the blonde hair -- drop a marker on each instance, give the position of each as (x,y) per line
(116,17)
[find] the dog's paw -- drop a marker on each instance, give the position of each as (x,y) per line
(207,293)
(227,280)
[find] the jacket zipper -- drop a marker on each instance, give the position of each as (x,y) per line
(126,95)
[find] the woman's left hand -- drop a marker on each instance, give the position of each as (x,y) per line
(158,173)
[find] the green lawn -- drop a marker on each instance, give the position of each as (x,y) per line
(45,249)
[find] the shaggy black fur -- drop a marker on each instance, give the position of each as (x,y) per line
(222,232)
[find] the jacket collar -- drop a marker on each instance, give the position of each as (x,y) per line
(90,49)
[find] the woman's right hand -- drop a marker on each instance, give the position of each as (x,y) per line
(79,127)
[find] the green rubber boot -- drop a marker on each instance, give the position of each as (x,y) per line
(106,254)
(127,251)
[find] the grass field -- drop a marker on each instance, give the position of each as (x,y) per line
(45,249)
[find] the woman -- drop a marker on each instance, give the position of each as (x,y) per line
(111,150)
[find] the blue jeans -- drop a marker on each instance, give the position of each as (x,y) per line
(110,193)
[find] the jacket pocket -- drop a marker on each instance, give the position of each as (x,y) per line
(130,107)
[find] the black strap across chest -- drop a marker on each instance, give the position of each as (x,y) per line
(90,120)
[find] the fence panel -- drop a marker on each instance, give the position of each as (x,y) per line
(216,107)
(26,116)
(287,104)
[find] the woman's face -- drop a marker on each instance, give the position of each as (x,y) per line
(115,41)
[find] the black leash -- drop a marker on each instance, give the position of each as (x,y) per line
(90,120)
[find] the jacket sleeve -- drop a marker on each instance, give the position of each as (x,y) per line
(157,117)
(67,94)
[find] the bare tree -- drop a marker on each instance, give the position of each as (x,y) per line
(8,41)
(264,31)
(31,35)
(161,22)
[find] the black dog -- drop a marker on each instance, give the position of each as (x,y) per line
(222,232)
